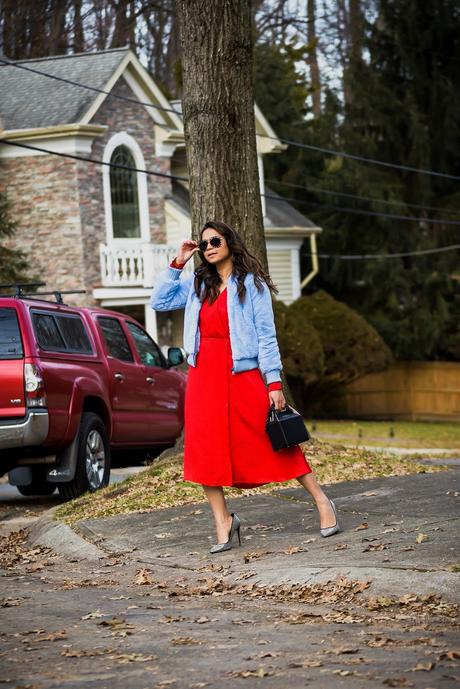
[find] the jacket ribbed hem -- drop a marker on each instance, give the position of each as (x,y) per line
(272,376)
(174,273)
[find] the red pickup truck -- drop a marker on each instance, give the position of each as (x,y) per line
(74,384)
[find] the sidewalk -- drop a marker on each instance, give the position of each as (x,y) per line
(381,520)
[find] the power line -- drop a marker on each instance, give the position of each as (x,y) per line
(86,86)
(185,179)
(330,151)
(92,160)
(399,255)
(358,211)
(290,142)
(319,190)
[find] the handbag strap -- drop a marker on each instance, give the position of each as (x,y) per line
(274,413)
(274,417)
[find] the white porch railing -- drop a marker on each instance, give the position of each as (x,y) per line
(123,266)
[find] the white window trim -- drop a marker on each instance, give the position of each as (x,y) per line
(124,139)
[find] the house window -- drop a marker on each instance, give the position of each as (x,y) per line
(124,195)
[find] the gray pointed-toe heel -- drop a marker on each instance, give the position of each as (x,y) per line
(234,529)
(330,530)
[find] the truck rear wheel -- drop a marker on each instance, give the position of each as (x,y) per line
(93,459)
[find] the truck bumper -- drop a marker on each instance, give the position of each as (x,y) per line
(33,430)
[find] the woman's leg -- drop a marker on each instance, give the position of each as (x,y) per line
(222,516)
(326,513)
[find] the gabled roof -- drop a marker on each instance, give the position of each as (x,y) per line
(30,101)
(279,213)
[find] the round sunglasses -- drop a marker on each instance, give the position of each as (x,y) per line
(215,242)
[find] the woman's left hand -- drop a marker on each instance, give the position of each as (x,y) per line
(277,398)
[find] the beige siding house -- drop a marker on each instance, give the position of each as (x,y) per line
(106,229)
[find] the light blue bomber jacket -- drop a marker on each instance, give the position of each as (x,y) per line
(252,324)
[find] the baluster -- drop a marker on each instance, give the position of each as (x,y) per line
(122,263)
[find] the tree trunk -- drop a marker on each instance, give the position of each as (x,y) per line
(313,58)
(123,33)
(58,36)
(354,26)
(219,124)
(78,35)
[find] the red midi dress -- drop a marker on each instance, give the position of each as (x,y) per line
(225,442)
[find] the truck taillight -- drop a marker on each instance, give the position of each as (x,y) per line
(35,386)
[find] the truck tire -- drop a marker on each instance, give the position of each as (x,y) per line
(93,459)
(38,486)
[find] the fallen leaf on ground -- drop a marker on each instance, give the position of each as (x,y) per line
(168,619)
(306,663)
(303,618)
(450,655)
(93,615)
(10,602)
(143,577)
(345,649)
(255,555)
(125,658)
(51,636)
(342,673)
(422,666)
(398,682)
(185,641)
(422,537)
(80,653)
(261,672)
(380,641)
(118,626)
(375,546)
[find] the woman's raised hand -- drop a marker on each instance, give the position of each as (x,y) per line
(187,249)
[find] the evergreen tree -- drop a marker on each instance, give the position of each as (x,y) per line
(403,98)
(13,266)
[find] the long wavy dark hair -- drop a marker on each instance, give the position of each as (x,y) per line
(243,263)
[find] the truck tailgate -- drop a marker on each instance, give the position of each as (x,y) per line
(12,394)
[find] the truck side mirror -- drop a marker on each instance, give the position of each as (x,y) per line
(175,356)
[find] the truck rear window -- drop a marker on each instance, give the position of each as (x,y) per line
(61,333)
(10,336)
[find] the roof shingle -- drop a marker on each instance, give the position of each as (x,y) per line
(32,101)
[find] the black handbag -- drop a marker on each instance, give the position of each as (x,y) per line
(285,428)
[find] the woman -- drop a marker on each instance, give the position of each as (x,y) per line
(230,340)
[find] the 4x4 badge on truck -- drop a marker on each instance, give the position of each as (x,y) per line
(18,401)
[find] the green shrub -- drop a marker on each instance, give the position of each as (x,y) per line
(352,347)
(300,346)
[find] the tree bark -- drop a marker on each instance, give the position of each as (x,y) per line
(354,25)
(77,28)
(219,124)
(313,58)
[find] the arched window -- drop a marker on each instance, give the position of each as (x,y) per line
(124,195)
